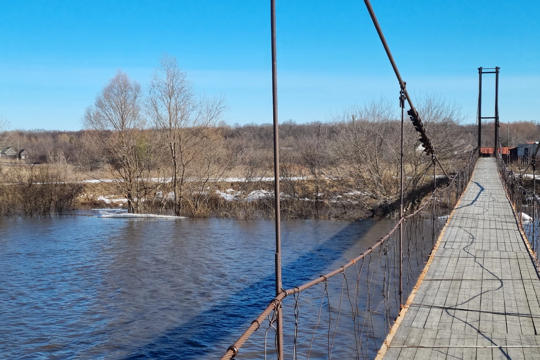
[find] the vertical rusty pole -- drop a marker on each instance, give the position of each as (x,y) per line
(497,112)
(279,286)
(479,108)
(402,105)
(434,199)
(534,202)
(508,144)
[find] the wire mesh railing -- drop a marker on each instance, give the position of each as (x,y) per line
(364,296)
(525,201)
(347,313)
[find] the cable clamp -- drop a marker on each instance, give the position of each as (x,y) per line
(234,349)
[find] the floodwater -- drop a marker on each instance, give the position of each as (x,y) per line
(85,287)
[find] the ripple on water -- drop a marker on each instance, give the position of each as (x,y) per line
(86,287)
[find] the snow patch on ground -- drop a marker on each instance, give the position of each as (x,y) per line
(526,218)
(123,214)
(232,195)
(228,179)
(259,194)
(107,210)
(355,193)
(110,200)
(139,216)
(227,195)
(530,176)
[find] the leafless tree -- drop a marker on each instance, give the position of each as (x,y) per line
(365,137)
(368,145)
(185,121)
(442,123)
(118,136)
(5,135)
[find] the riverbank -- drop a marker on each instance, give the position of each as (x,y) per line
(235,200)
(240,199)
(50,189)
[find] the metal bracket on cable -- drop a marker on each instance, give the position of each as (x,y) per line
(402,97)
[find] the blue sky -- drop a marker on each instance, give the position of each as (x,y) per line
(55,56)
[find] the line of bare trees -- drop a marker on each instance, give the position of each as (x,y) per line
(167,133)
(166,150)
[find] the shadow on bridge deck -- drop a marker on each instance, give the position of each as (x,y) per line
(480,296)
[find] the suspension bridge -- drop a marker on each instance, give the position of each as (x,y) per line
(479,296)
(455,278)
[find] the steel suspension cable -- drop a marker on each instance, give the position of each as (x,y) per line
(413,113)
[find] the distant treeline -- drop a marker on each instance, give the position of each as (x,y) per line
(316,152)
(343,169)
(50,146)
(165,149)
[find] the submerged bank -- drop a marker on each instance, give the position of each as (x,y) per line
(44,191)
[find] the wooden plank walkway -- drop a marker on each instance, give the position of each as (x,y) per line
(480,296)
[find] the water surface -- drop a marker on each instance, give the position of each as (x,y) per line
(86,287)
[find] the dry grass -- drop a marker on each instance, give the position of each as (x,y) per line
(37,190)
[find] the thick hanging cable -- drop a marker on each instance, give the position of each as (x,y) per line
(413,113)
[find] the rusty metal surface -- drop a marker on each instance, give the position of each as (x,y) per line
(277,191)
(401,198)
(479,111)
(481,72)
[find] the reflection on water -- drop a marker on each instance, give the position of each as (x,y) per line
(86,287)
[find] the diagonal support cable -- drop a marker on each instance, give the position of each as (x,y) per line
(413,113)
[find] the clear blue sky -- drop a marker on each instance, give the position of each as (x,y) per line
(55,56)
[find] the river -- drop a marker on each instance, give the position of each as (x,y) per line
(85,287)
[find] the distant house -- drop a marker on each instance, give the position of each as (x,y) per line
(513,154)
(527,149)
(8,153)
(22,155)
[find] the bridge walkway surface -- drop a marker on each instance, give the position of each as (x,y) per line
(479,298)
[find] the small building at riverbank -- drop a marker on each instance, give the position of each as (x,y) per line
(8,153)
(527,149)
(22,155)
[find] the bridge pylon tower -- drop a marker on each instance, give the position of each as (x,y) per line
(481,72)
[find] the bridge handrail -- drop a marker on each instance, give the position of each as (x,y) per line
(522,200)
(233,350)
(517,181)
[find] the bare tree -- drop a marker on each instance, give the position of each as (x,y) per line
(441,120)
(363,147)
(5,135)
(118,136)
(184,120)
(368,146)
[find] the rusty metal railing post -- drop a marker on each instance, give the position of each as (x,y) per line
(479,108)
(434,200)
(401,183)
(279,287)
(497,111)
(534,204)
